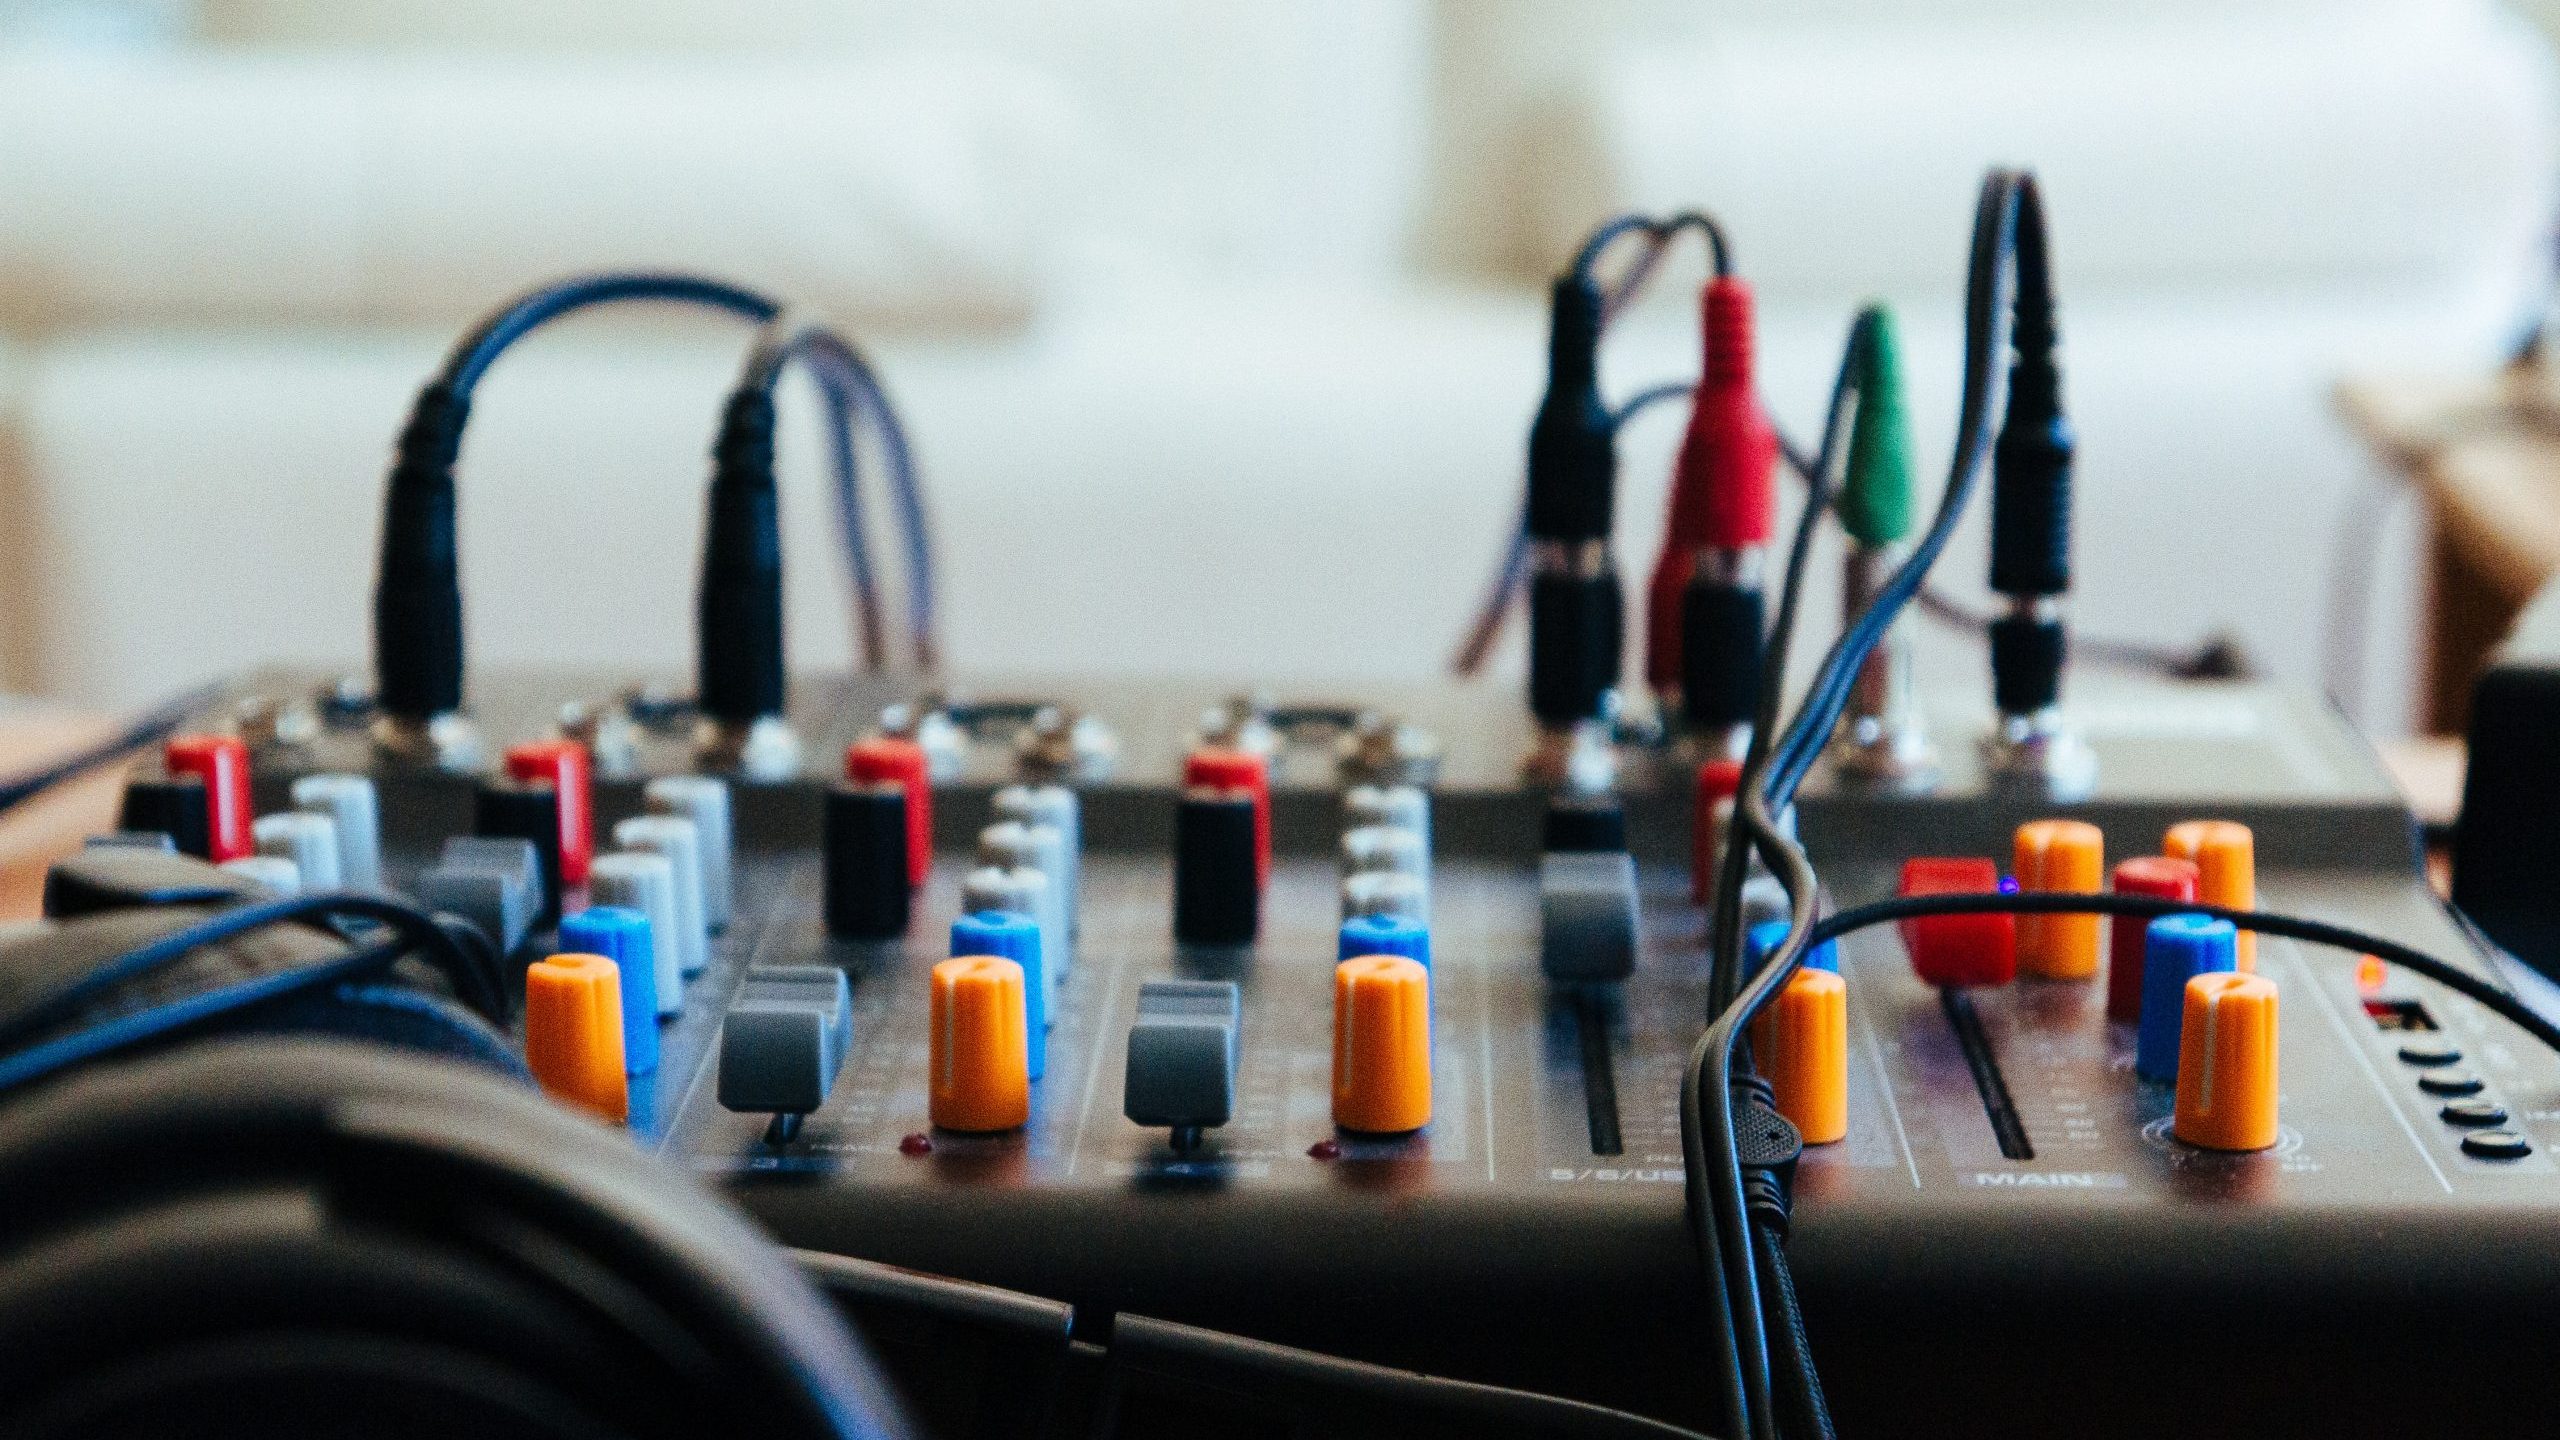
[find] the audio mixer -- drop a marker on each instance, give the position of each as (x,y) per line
(2099,1063)
(2007,1230)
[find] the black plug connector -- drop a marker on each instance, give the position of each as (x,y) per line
(739,667)
(1577,608)
(417,596)
(2031,488)
(1723,644)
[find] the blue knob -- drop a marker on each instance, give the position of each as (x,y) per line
(1761,941)
(2175,950)
(1385,935)
(1016,938)
(622,936)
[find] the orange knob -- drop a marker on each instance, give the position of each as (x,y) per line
(2227,1062)
(2225,856)
(981,1045)
(2069,857)
(573,1033)
(1801,1043)
(1381,1045)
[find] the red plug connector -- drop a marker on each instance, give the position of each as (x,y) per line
(1722,487)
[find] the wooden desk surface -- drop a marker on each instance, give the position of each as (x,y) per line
(52,825)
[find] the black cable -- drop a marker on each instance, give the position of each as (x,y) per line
(1799,1387)
(1511,572)
(154,725)
(475,979)
(2216,657)
(1709,1146)
(746,426)
(2264,922)
(476,351)
(1732,1299)
(1325,1385)
(417,598)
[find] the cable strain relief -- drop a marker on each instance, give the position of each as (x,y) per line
(432,436)
(1767,1146)
(1726,316)
(1573,451)
(2027,656)
(745,445)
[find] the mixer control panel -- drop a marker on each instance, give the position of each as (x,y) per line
(1316,1022)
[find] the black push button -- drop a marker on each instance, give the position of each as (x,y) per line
(174,807)
(864,844)
(2474,1114)
(2430,1053)
(2450,1082)
(2496,1145)
(1217,892)
(515,810)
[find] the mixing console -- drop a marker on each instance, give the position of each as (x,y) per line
(2007,1183)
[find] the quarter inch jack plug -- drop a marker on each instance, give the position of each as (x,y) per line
(1577,611)
(739,665)
(2030,745)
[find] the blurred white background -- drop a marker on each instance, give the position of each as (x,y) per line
(1217,324)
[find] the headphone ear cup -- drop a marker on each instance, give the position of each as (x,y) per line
(306,1236)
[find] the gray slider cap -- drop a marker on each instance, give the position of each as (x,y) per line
(784,1039)
(1182,1054)
(1587,915)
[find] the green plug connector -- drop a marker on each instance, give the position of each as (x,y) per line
(1875,497)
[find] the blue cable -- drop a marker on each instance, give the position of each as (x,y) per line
(472,356)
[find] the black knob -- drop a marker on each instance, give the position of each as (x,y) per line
(864,838)
(518,810)
(1217,892)
(172,807)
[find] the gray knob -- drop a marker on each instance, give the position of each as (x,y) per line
(350,801)
(704,800)
(676,838)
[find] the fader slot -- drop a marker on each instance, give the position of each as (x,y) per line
(1599,1074)
(1979,1061)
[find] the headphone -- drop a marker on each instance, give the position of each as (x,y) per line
(317,1237)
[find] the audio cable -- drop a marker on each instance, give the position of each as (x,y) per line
(741,658)
(418,637)
(147,729)
(1705,612)
(382,930)
(1733,1295)
(1773,767)
(417,602)
(741,567)
(1577,608)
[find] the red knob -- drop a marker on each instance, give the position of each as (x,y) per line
(1718,782)
(889,759)
(565,767)
(222,763)
(1958,949)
